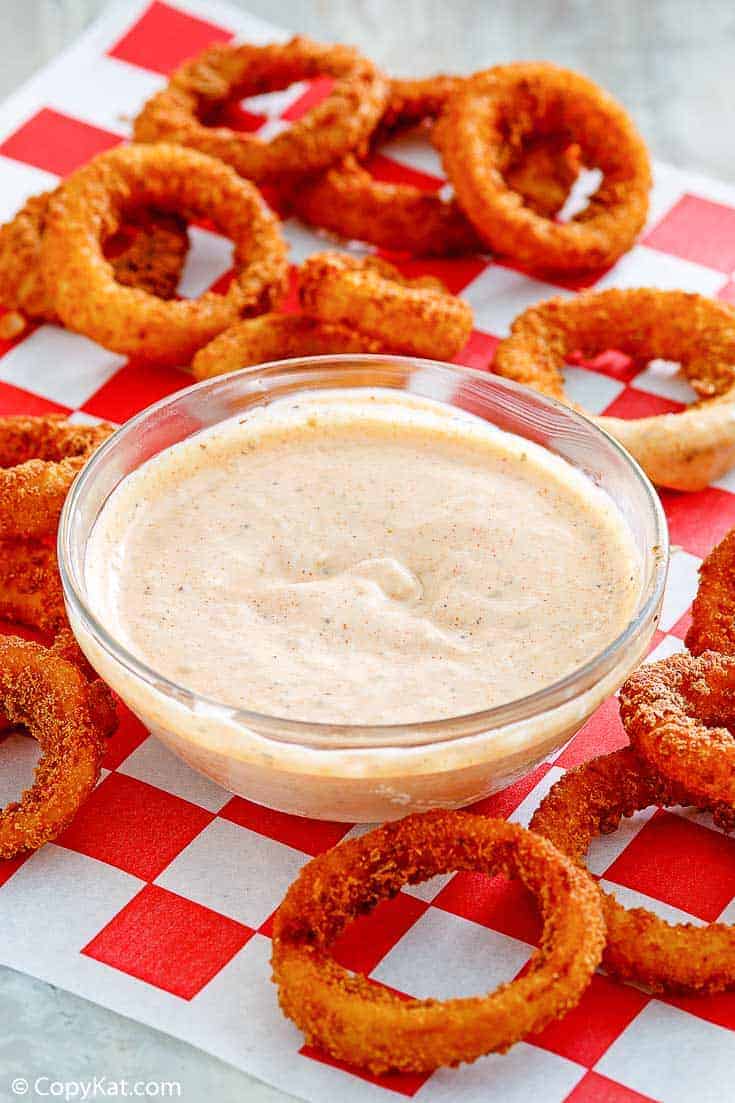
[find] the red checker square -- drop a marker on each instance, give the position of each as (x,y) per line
(369,937)
(682,625)
(404,1083)
(164,36)
(132,388)
(316,93)
(168,941)
(699,521)
(389,171)
(479,352)
(454,272)
(57,143)
(602,734)
(9,866)
(633,403)
(504,803)
(238,117)
(681,863)
(594,1088)
(718,1009)
(495,902)
(616,365)
(727,293)
(134,826)
(311,836)
(14,400)
(129,735)
(699,230)
(602,1014)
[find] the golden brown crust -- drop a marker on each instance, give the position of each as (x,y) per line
(591,800)
(224,72)
(358,1021)
(50,697)
(92,204)
(276,337)
(494,113)
(685,451)
(713,611)
(40,456)
(417,317)
(30,586)
(677,713)
(149,254)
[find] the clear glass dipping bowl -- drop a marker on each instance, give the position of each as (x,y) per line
(364,773)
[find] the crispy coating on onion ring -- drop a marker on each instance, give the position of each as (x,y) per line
(591,800)
(678,713)
(40,456)
(51,698)
(494,114)
(186,110)
(361,1022)
(92,204)
(687,450)
(149,254)
(713,611)
(348,201)
(418,317)
(276,337)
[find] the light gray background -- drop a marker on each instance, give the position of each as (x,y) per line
(670,62)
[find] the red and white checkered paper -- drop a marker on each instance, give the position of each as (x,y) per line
(158,900)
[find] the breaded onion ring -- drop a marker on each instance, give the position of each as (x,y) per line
(418,317)
(185,111)
(494,113)
(40,456)
(92,204)
(361,1022)
(713,611)
(678,713)
(685,451)
(50,697)
(591,800)
(276,337)
(149,253)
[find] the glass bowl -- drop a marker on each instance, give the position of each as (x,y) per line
(364,773)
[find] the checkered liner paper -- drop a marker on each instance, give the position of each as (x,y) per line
(158,900)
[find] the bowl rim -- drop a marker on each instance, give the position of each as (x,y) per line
(309,733)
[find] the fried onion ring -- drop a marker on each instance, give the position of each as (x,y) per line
(685,451)
(418,317)
(149,253)
(348,201)
(591,800)
(186,110)
(713,611)
(487,121)
(276,337)
(678,713)
(40,456)
(91,205)
(361,1022)
(50,697)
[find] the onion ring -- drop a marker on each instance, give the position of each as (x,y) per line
(417,317)
(149,254)
(40,456)
(713,611)
(224,73)
(91,205)
(591,800)
(276,337)
(685,451)
(358,1021)
(50,697)
(677,713)
(494,113)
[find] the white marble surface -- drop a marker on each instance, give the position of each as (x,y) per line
(670,61)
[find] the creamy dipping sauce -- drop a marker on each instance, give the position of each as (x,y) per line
(361,558)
